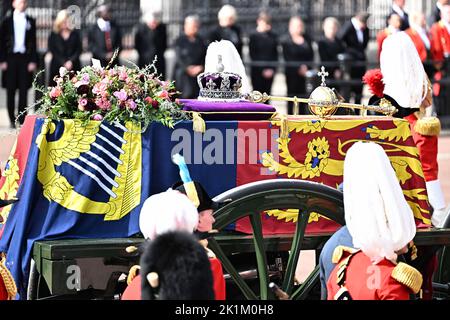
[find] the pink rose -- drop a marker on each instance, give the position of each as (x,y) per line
(84,81)
(131,105)
(103,104)
(82,103)
(165,84)
(97,117)
(55,92)
(100,88)
(86,78)
(113,72)
(121,95)
(123,75)
(151,102)
(163,94)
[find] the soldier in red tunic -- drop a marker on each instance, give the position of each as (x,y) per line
(440,50)
(381,224)
(384,281)
(402,82)
(441,36)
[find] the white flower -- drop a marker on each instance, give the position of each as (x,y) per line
(62,72)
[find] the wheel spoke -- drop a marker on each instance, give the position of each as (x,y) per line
(294,255)
(245,201)
(260,251)
(228,266)
(312,280)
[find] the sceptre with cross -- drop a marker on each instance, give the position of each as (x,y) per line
(318,105)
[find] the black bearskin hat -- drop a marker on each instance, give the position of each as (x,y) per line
(175,266)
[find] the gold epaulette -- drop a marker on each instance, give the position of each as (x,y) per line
(8,279)
(428,126)
(340,252)
(408,276)
(133,274)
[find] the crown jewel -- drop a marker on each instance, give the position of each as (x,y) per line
(219,85)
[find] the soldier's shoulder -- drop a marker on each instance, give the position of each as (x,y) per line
(407,276)
(342,252)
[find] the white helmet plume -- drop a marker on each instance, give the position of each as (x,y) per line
(378,217)
(403,73)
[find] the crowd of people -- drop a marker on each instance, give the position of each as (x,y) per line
(338,46)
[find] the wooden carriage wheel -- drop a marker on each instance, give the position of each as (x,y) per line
(252,199)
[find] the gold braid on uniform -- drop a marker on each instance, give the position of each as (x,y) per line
(427,126)
(413,250)
(8,279)
(343,256)
(134,271)
(339,252)
(408,276)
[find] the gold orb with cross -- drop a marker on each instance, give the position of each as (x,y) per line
(323,101)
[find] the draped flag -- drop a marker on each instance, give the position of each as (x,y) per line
(15,167)
(81,181)
(315,151)
(78,180)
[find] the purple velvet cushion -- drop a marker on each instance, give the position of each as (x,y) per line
(231,110)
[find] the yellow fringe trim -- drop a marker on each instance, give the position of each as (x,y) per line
(133,274)
(428,126)
(408,276)
(8,279)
